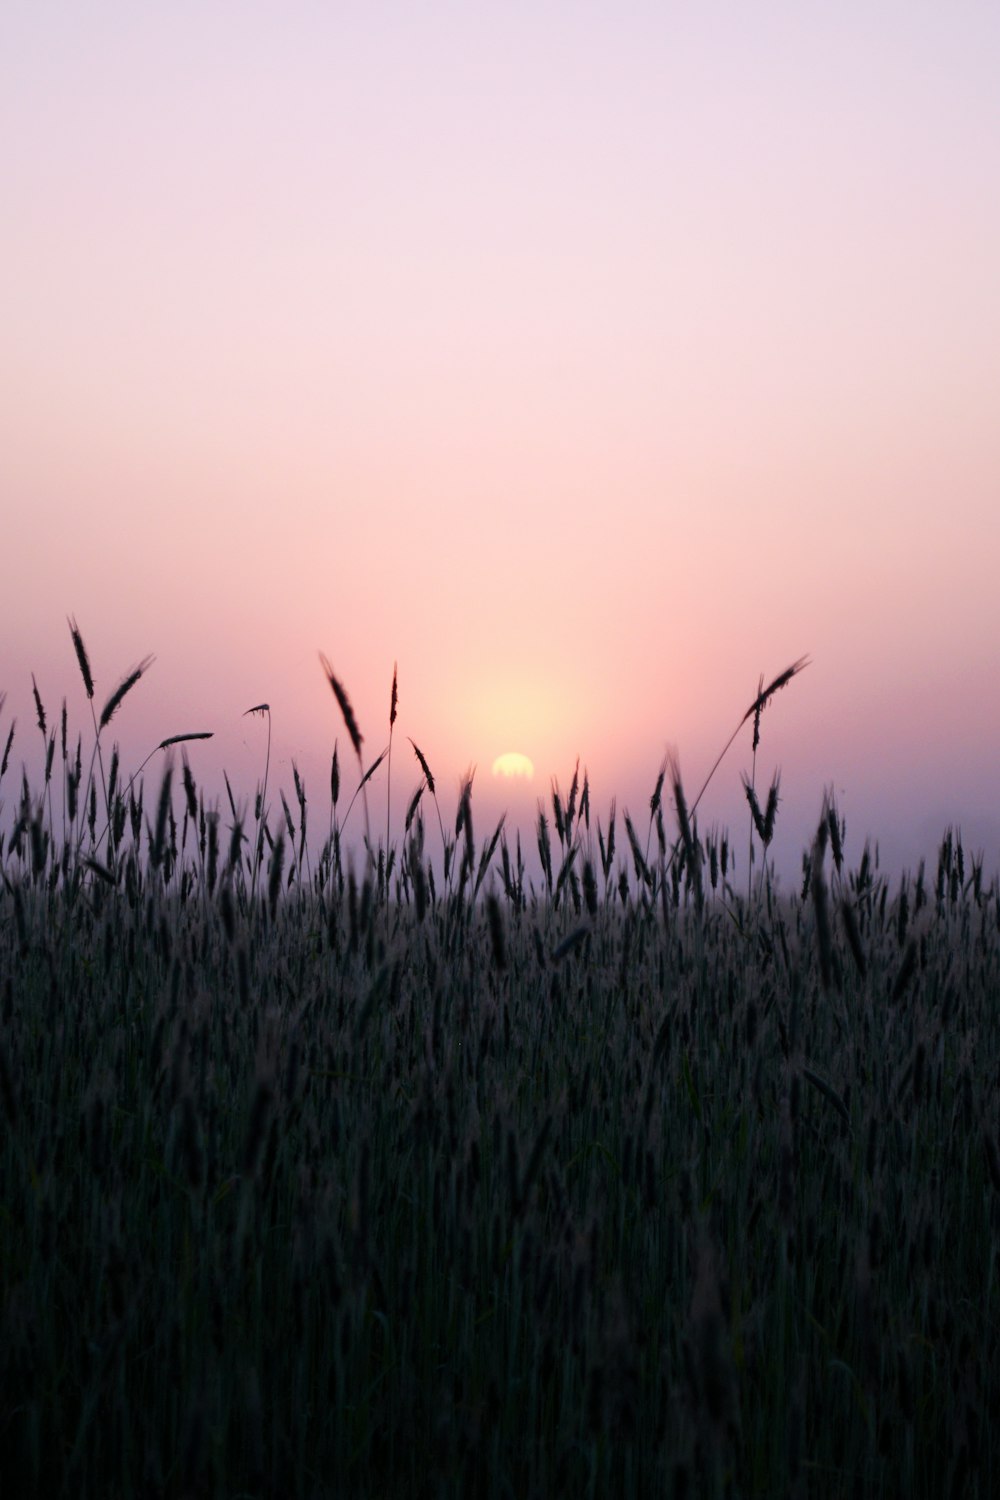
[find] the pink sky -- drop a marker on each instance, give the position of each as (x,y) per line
(588,362)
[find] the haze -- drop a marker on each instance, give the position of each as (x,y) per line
(589,363)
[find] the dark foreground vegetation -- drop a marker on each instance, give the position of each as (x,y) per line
(314,1184)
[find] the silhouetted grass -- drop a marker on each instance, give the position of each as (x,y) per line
(361,1186)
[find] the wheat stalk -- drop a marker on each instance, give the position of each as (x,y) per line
(756,708)
(261,709)
(354,733)
(125,686)
(393,701)
(422,760)
(344,704)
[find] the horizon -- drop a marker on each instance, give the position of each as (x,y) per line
(517,797)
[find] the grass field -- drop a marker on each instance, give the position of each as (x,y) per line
(418,1181)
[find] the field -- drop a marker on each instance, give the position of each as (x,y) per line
(419,1181)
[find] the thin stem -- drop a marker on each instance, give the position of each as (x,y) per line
(261,708)
(756,708)
(388,790)
(753,785)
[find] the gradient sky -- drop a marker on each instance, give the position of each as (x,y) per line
(588,360)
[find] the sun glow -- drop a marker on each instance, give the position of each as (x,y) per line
(512,764)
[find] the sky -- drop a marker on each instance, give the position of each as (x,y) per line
(588,361)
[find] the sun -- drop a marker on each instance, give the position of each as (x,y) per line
(513,764)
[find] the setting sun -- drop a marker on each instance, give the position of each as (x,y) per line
(512,764)
(570,374)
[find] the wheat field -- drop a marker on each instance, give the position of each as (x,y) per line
(402,1176)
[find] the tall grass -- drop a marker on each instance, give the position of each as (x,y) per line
(345,1187)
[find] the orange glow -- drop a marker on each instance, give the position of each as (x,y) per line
(513,764)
